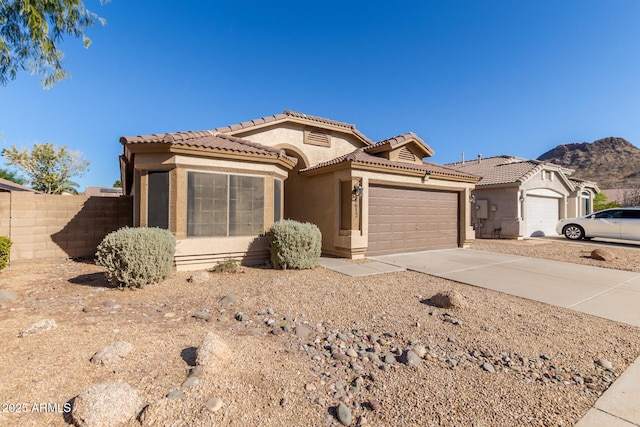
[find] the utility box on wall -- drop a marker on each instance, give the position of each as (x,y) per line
(482,209)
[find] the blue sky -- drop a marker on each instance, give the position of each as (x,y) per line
(492,77)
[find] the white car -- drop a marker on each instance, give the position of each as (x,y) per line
(616,223)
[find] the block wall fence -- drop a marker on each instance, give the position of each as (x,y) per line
(46,227)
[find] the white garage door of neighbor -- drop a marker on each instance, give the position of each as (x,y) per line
(541,215)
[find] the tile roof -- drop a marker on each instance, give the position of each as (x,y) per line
(395,141)
(581,183)
(359,156)
(292,114)
(500,169)
(207,139)
(6,185)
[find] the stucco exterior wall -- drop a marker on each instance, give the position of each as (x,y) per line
(194,253)
(322,207)
(291,136)
(506,204)
(46,227)
(575,203)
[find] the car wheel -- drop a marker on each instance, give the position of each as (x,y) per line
(573,232)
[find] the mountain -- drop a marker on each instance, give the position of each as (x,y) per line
(611,162)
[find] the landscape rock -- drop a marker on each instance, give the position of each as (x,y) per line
(419,350)
(302,332)
(40,326)
(241,317)
(602,254)
(344,414)
(228,299)
(449,299)
(6,296)
(488,367)
(175,394)
(190,382)
(105,405)
(201,315)
(112,354)
(604,363)
(214,404)
(374,404)
(212,352)
(201,277)
(410,358)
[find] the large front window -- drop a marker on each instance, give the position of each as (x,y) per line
(224,205)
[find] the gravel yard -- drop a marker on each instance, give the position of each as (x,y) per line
(301,343)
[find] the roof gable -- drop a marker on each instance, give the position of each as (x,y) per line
(288,116)
(397,147)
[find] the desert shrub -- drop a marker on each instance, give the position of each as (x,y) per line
(5,250)
(226,266)
(294,244)
(135,257)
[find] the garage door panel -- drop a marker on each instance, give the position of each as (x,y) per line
(421,220)
(541,215)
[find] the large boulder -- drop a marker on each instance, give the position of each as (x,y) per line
(602,254)
(449,299)
(106,405)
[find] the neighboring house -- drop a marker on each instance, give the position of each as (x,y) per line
(219,190)
(522,198)
(103,191)
(6,185)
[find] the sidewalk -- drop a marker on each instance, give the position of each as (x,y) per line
(606,293)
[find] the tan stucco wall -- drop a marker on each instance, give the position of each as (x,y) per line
(503,212)
(47,227)
(322,199)
(291,136)
(200,253)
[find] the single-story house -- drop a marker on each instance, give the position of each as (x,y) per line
(219,190)
(519,198)
(7,186)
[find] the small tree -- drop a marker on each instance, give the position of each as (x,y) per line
(601,202)
(49,169)
(11,176)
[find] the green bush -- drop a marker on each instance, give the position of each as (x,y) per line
(294,244)
(135,257)
(5,250)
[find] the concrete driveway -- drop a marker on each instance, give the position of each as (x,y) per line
(611,294)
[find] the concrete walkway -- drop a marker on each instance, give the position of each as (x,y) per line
(358,269)
(606,293)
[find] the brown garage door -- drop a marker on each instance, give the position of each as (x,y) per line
(406,220)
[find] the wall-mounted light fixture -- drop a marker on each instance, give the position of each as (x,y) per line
(357,190)
(522,198)
(472,198)
(426,177)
